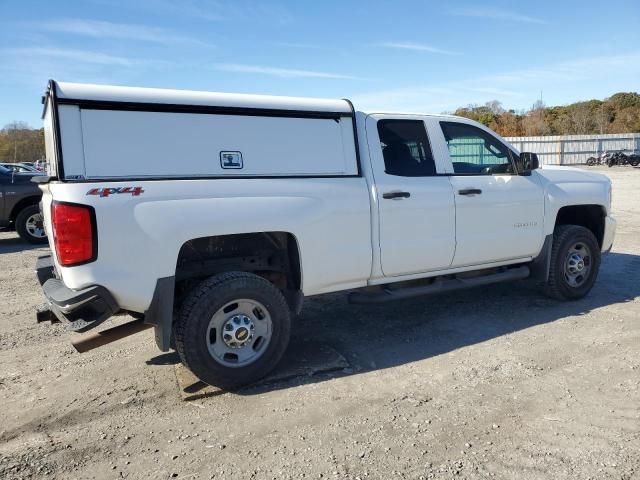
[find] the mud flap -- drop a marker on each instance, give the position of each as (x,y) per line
(541,264)
(160,312)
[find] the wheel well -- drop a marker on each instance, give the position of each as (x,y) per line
(272,255)
(25,202)
(588,216)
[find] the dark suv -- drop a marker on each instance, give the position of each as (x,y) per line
(19,199)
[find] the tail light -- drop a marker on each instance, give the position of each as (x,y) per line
(74,233)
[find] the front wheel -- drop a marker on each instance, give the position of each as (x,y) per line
(574,265)
(232,329)
(30,225)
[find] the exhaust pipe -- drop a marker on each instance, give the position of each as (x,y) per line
(98,339)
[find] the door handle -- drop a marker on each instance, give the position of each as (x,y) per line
(470,191)
(391,195)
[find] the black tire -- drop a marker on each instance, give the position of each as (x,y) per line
(191,328)
(591,161)
(564,237)
(21,225)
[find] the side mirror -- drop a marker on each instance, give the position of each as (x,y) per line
(527,162)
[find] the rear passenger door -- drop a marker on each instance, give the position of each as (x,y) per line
(499,214)
(415,206)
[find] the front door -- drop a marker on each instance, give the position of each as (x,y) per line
(415,206)
(499,214)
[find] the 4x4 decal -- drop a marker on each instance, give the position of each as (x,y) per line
(105,192)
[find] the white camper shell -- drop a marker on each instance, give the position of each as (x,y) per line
(125,132)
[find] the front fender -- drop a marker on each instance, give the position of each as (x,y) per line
(567,186)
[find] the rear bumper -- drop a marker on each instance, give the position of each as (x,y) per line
(81,310)
(609,233)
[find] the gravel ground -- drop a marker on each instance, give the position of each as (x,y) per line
(497,382)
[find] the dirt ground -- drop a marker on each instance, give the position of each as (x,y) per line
(497,382)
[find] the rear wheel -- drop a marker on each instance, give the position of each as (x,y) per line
(30,225)
(575,261)
(232,329)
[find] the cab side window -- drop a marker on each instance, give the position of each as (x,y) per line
(474,151)
(405,148)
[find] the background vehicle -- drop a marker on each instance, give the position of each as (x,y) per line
(19,199)
(617,158)
(30,166)
(614,158)
(277,198)
(600,160)
(19,168)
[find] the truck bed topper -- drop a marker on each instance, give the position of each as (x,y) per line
(122,136)
(159,99)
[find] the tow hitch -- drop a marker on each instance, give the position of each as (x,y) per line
(93,340)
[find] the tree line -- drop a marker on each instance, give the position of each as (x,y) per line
(620,113)
(20,143)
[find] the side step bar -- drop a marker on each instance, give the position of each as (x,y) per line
(389,294)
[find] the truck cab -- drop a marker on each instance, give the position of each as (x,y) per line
(471,196)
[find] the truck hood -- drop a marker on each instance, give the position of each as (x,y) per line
(562,174)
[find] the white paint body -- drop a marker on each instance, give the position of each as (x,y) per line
(348,235)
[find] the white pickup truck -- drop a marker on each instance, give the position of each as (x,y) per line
(210,216)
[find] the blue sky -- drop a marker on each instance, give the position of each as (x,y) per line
(394,55)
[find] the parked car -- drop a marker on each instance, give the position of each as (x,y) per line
(30,166)
(277,198)
(19,199)
(19,168)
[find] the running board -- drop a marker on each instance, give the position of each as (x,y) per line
(389,294)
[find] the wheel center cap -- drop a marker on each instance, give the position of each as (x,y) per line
(242,334)
(575,263)
(237,331)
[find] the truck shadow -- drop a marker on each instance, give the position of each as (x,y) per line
(380,337)
(376,338)
(10,242)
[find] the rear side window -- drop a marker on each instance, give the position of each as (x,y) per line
(405,148)
(474,151)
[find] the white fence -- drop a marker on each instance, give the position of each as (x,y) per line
(574,149)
